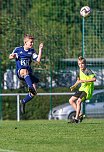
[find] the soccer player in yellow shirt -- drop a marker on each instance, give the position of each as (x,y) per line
(86,78)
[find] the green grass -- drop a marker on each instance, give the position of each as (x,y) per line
(52,136)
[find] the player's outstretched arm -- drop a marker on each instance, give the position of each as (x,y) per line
(81,81)
(74,86)
(40,52)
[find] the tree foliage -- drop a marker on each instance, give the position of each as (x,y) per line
(56,23)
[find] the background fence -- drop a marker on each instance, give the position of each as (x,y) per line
(59,26)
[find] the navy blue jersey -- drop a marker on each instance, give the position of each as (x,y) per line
(24,58)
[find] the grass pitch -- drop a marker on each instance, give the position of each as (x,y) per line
(52,136)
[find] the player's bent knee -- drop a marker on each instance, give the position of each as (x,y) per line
(78,102)
(32,95)
(70,101)
(32,91)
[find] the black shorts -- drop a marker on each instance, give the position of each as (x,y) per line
(81,94)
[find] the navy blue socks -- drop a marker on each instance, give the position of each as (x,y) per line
(30,85)
(28,81)
(27,98)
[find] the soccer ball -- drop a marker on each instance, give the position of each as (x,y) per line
(85,11)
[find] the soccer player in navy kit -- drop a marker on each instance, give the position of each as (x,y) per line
(23,56)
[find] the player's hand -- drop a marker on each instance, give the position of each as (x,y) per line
(72,88)
(12,56)
(75,85)
(41,46)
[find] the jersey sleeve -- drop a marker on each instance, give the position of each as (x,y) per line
(15,51)
(78,75)
(90,72)
(34,56)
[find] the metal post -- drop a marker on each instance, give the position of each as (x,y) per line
(83,52)
(18,111)
(83,20)
(0,92)
(51,88)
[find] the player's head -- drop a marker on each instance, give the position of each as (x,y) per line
(81,62)
(28,41)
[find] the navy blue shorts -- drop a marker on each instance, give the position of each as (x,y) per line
(32,77)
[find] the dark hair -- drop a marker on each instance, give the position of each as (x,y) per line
(82,59)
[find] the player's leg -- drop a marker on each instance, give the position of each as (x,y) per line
(34,82)
(73,99)
(73,103)
(31,94)
(79,101)
(32,90)
(78,108)
(23,102)
(24,73)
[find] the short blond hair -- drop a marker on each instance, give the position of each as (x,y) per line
(81,59)
(27,37)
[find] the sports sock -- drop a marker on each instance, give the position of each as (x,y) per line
(28,81)
(27,98)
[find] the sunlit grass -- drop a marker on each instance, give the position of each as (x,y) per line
(52,136)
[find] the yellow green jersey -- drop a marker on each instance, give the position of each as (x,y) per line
(88,87)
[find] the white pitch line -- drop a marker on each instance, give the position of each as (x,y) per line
(6,150)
